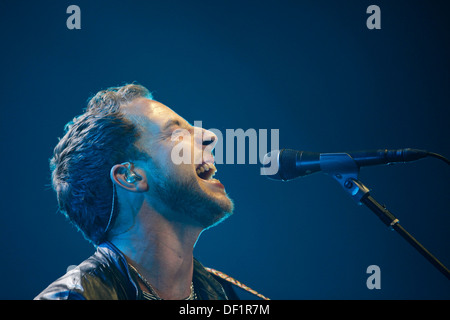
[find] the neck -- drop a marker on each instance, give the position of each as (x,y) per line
(162,252)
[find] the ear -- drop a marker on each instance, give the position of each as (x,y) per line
(126,176)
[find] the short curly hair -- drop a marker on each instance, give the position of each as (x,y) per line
(93,143)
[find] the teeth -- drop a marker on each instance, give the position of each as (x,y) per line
(206,167)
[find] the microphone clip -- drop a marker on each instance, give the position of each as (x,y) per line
(342,168)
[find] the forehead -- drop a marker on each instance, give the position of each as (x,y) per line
(150,114)
(151,109)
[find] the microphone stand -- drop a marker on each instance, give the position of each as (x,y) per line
(345,171)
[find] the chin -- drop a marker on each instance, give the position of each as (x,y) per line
(214,209)
(203,201)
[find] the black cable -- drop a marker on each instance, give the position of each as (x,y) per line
(438,156)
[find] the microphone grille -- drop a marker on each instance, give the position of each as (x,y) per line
(283,161)
(287,160)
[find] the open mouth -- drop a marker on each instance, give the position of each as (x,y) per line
(206,171)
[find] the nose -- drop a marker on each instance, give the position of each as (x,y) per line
(209,139)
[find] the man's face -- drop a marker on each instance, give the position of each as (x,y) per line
(185,191)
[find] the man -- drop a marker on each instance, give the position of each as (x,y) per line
(116,181)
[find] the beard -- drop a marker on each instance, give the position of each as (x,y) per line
(185,196)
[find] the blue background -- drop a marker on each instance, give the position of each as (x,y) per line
(311,69)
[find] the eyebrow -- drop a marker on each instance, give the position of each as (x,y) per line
(174,122)
(169,123)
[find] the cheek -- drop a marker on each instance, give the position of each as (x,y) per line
(182,151)
(178,172)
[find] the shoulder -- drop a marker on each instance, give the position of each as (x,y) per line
(229,283)
(226,285)
(216,285)
(84,282)
(100,277)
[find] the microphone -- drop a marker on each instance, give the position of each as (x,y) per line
(287,164)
